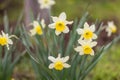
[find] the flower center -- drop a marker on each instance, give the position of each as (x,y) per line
(113,29)
(60,26)
(38,30)
(88,34)
(3,41)
(46,1)
(58,65)
(87,49)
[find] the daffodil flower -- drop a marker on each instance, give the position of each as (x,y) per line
(111,28)
(46,4)
(37,28)
(58,63)
(86,47)
(5,39)
(87,32)
(60,24)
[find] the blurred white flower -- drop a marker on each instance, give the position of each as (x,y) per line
(60,24)
(86,47)
(5,39)
(58,63)
(37,28)
(87,32)
(111,28)
(46,3)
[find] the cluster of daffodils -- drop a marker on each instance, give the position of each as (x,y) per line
(46,4)
(111,28)
(60,25)
(5,39)
(86,40)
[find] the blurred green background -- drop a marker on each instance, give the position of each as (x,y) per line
(104,10)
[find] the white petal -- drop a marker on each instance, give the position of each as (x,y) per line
(94,36)
(81,53)
(52,2)
(51,66)
(57,32)
(78,49)
(55,19)
(81,38)
(86,25)
(79,31)
(52,26)
(92,28)
(35,23)
(66,30)
(92,54)
(42,6)
(51,58)
(107,29)
(109,33)
(110,23)
(92,44)
(65,59)
(66,65)
(33,32)
(68,22)
(62,16)
(82,42)
(3,33)
(10,41)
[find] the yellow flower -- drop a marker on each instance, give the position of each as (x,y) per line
(86,47)
(60,24)
(37,28)
(58,63)
(88,32)
(46,3)
(111,28)
(5,39)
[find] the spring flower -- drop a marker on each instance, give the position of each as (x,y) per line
(111,28)
(37,28)
(58,63)
(46,3)
(60,24)
(86,47)
(5,39)
(88,32)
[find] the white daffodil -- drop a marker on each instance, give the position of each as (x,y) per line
(60,24)
(111,28)
(46,4)
(58,63)
(86,47)
(87,32)
(37,28)
(5,39)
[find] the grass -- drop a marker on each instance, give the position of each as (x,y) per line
(109,66)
